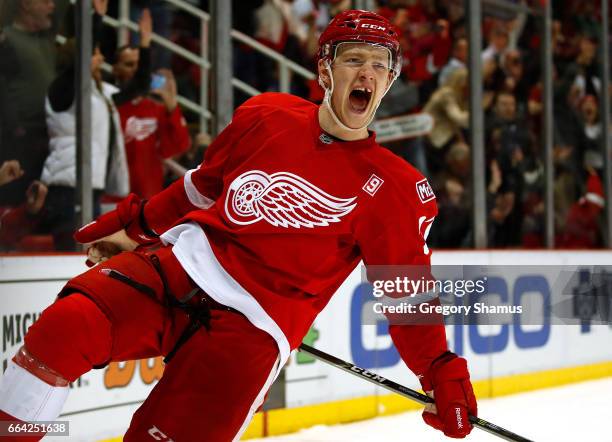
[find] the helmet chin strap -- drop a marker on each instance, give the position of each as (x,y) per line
(327,101)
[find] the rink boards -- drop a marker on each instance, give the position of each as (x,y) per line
(502,359)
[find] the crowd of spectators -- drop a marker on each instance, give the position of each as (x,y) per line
(135,123)
(434,80)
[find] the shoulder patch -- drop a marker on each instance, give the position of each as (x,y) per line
(424,191)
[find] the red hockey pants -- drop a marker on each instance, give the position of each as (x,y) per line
(212,385)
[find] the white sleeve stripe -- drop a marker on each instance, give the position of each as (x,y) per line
(28,398)
(194,196)
(259,399)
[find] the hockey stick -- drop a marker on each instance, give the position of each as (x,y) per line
(405,391)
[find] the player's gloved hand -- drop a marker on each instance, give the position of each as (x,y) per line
(448,382)
(122,229)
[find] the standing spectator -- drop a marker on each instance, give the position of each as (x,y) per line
(508,140)
(498,43)
(152,130)
(513,133)
(515,81)
(592,133)
(448,107)
(109,164)
(27,67)
(585,70)
(452,189)
(458,60)
(577,80)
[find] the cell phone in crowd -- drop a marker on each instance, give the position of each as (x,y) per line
(157,81)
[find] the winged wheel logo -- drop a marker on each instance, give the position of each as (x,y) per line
(283,199)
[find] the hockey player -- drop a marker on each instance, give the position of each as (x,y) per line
(254,242)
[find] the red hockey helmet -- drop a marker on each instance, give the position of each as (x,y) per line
(360,26)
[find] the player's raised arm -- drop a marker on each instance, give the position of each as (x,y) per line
(137,222)
(395,245)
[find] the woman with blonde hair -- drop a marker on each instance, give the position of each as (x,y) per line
(448,107)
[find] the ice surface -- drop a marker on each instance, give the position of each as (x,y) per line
(579,412)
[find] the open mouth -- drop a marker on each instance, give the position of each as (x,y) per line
(359,99)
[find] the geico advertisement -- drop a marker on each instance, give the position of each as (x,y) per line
(492,350)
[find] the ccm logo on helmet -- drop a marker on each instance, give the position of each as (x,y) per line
(375,27)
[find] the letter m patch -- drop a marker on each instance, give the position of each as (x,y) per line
(424,191)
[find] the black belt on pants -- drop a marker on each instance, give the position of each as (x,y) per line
(197,304)
(198,309)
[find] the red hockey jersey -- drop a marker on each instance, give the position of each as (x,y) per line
(280,213)
(151,134)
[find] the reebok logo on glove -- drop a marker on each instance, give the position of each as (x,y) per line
(459,419)
(449,379)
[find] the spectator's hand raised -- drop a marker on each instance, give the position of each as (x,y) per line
(35,197)
(145,26)
(168,91)
(100,6)
(10,171)
(496,177)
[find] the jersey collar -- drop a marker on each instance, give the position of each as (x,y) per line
(323,140)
